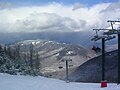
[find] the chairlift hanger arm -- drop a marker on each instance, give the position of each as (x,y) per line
(96,33)
(112,22)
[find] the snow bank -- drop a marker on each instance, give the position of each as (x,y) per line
(12,82)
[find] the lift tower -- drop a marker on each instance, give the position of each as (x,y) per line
(104,38)
(111,32)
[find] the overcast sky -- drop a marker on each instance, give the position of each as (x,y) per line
(56,15)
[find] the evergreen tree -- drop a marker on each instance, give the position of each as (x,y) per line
(9,52)
(37,64)
(1,49)
(18,51)
(5,48)
(31,56)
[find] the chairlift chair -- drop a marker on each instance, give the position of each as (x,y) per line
(96,48)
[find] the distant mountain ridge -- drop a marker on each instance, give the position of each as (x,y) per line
(52,54)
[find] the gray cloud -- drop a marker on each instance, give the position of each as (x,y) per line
(112,7)
(78,6)
(38,22)
(8,5)
(56,17)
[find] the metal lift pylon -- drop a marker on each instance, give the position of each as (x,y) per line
(116,31)
(104,38)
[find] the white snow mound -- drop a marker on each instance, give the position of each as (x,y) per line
(12,82)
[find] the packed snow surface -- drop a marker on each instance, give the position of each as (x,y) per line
(16,82)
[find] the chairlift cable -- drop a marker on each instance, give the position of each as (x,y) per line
(87,39)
